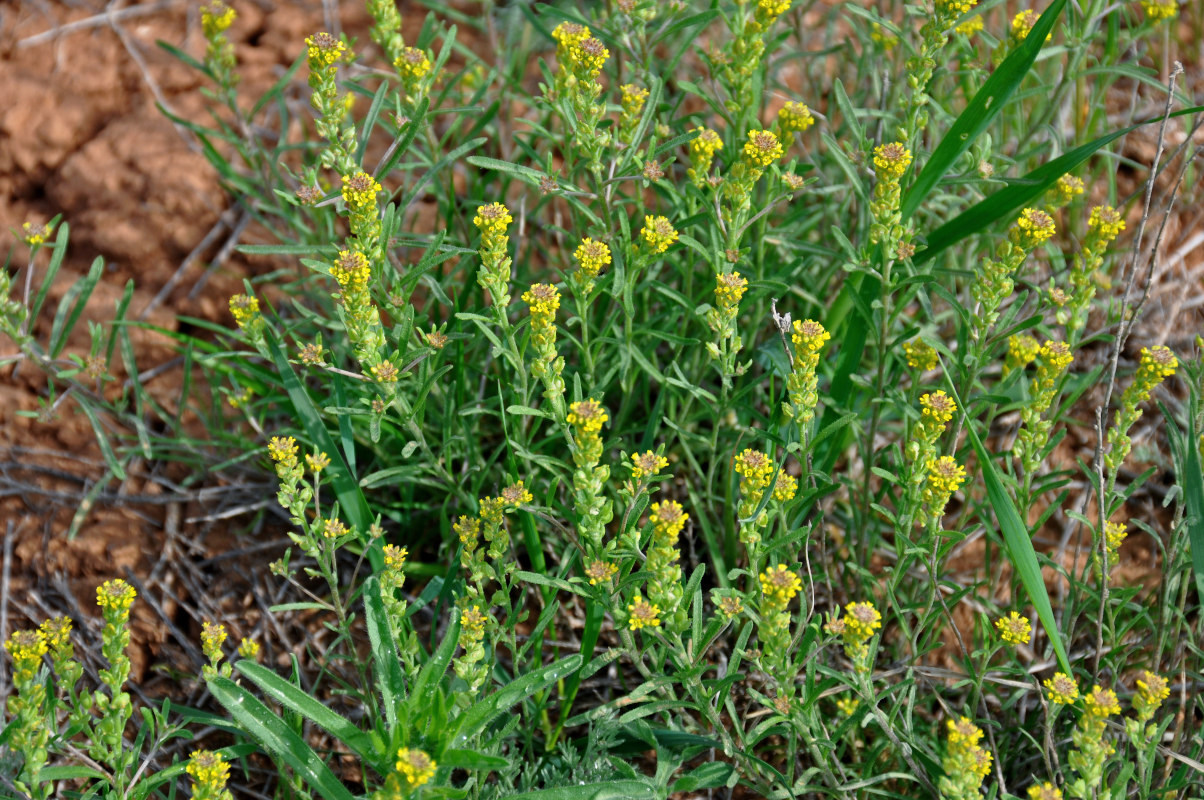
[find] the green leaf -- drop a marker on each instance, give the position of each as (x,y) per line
(982,110)
(351,499)
(75,299)
(386,666)
(1019,545)
(471,759)
(1192,481)
(607,790)
(277,738)
(480,715)
(1022,191)
(291,697)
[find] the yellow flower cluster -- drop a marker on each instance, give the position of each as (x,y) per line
(1052,360)
(416,767)
(1022,25)
(704,146)
(1101,703)
(891,161)
(633,99)
(590,56)
(668,519)
(1157,10)
(360,190)
(658,233)
(1152,689)
(592,256)
(938,408)
(33,234)
(1068,187)
(1031,229)
(954,8)
(115,597)
(323,50)
(412,65)
(1022,351)
(1062,689)
(216,17)
(1044,791)
(473,621)
(587,416)
(779,585)
(795,116)
(755,468)
(569,35)
(600,572)
(809,336)
(1105,222)
(352,271)
(785,488)
(244,308)
(544,300)
(334,528)
(492,219)
(643,614)
(1156,364)
(966,763)
(516,495)
(27,649)
(855,629)
(283,450)
(385,372)
(213,636)
(57,631)
(762,149)
(945,476)
(210,773)
(395,557)
(647,465)
(920,355)
(1014,629)
(971,26)
(317,462)
(729,289)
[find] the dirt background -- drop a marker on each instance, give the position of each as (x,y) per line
(82,135)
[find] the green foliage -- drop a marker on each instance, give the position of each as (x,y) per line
(650,381)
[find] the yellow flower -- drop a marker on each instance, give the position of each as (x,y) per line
(468,529)
(33,234)
(729,289)
(492,218)
(412,64)
(920,355)
(847,706)
(861,620)
(415,766)
(115,597)
(473,621)
(938,407)
(1106,222)
(1156,364)
(633,98)
(795,117)
(544,300)
(755,467)
(600,572)
(568,34)
(647,465)
(395,557)
(643,614)
(705,145)
(1022,350)
(730,606)
(891,161)
(1157,10)
(248,648)
(809,336)
(658,233)
(516,495)
(785,488)
(213,635)
(780,585)
(1062,689)
(762,148)
(971,26)
(1102,702)
(57,631)
(1044,791)
(1032,228)
(1067,188)
(590,56)
(324,50)
(209,771)
(283,450)
(587,416)
(592,256)
(945,476)
(333,528)
(216,17)
(385,372)
(360,190)
(317,462)
(955,7)
(1014,629)
(1152,689)
(668,518)
(244,308)
(884,37)
(27,649)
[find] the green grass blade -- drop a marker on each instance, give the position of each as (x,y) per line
(386,666)
(982,110)
(607,790)
(351,499)
(278,738)
(72,305)
(1019,545)
(1021,191)
(57,254)
(1192,481)
(279,690)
